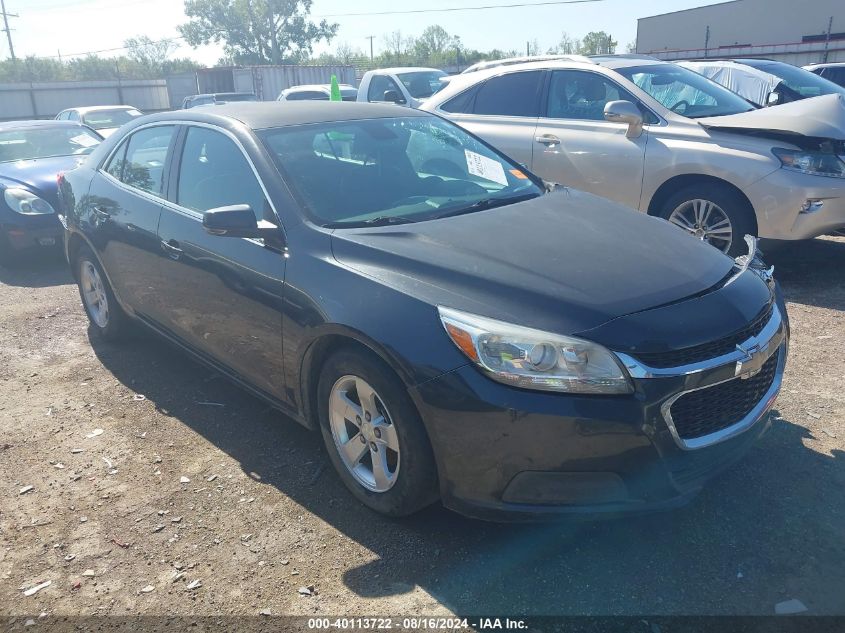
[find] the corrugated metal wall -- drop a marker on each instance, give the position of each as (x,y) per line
(268,81)
(46,100)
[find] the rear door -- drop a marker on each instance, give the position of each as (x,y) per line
(123,207)
(577,147)
(224,293)
(503,111)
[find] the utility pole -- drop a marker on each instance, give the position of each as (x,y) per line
(6,17)
(528,49)
(827,39)
(706,40)
(371,38)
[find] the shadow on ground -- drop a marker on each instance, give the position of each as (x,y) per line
(768,530)
(40,269)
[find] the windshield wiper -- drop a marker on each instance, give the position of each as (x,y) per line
(382,220)
(487,203)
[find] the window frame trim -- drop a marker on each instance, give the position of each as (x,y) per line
(124,142)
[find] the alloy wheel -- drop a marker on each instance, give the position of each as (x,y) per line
(94,294)
(705,220)
(363,433)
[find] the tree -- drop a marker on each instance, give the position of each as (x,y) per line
(148,53)
(567,46)
(256,31)
(598,43)
(631,47)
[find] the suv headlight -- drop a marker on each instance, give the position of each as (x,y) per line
(815,163)
(26,202)
(531,359)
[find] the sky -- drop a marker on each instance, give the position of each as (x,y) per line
(66,27)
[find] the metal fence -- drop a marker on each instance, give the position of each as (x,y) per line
(46,100)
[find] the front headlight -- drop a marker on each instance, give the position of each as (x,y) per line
(815,163)
(26,202)
(531,359)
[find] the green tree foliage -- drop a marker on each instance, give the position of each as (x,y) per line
(256,31)
(89,68)
(598,43)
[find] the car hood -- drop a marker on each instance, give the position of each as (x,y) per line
(565,262)
(819,117)
(38,175)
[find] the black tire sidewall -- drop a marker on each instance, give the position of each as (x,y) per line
(416,486)
(734,206)
(115,327)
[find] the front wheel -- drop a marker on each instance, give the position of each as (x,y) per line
(107,318)
(714,214)
(374,435)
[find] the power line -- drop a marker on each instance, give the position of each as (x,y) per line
(453,9)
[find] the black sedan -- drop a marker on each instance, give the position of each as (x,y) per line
(455,327)
(32,153)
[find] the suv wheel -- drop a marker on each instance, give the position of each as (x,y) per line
(713,214)
(107,318)
(374,435)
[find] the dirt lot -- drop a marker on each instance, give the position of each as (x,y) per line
(263,513)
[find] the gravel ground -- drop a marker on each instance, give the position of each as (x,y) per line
(171,491)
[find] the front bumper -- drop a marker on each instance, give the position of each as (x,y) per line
(510,454)
(22,233)
(778,200)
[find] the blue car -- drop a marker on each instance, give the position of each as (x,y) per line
(32,154)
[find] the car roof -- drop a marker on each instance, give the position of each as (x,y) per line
(826,65)
(261,115)
(405,69)
(87,109)
(304,87)
(221,94)
(49,123)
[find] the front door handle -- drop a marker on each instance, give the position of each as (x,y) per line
(100,213)
(171,247)
(547,139)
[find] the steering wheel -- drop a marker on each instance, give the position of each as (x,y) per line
(677,107)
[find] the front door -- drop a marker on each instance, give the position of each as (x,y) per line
(225,293)
(576,147)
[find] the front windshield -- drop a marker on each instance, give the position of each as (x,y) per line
(422,84)
(104,119)
(685,92)
(45,142)
(383,171)
(801,81)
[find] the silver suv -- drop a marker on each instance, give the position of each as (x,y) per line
(664,140)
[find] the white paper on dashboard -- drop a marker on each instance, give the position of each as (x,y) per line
(84,140)
(486,168)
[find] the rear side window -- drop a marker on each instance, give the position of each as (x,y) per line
(214,173)
(514,94)
(462,104)
(143,164)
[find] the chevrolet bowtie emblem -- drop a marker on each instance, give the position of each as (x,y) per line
(752,361)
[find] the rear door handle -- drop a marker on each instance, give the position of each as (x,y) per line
(171,247)
(101,213)
(547,139)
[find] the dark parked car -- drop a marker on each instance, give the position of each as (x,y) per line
(455,328)
(216,98)
(32,153)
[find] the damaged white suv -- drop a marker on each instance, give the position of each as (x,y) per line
(664,140)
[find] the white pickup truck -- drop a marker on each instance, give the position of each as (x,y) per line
(403,86)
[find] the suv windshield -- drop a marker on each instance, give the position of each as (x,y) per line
(422,84)
(685,92)
(45,142)
(801,81)
(103,119)
(397,170)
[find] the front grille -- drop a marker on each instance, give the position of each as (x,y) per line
(706,351)
(709,410)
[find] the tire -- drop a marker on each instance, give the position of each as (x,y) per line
(414,478)
(113,324)
(683,207)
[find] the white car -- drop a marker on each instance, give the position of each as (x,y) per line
(317,92)
(664,140)
(105,119)
(409,86)
(832,71)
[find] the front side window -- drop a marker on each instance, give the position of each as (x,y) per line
(575,94)
(28,143)
(146,156)
(422,84)
(379,85)
(214,173)
(514,94)
(685,92)
(396,170)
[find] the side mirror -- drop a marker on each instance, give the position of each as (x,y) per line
(393,96)
(237,221)
(773,99)
(625,112)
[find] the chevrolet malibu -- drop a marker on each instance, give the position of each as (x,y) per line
(454,327)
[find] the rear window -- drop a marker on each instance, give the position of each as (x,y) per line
(104,119)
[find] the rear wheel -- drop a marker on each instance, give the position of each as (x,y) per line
(107,318)
(714,214)
(374,435)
